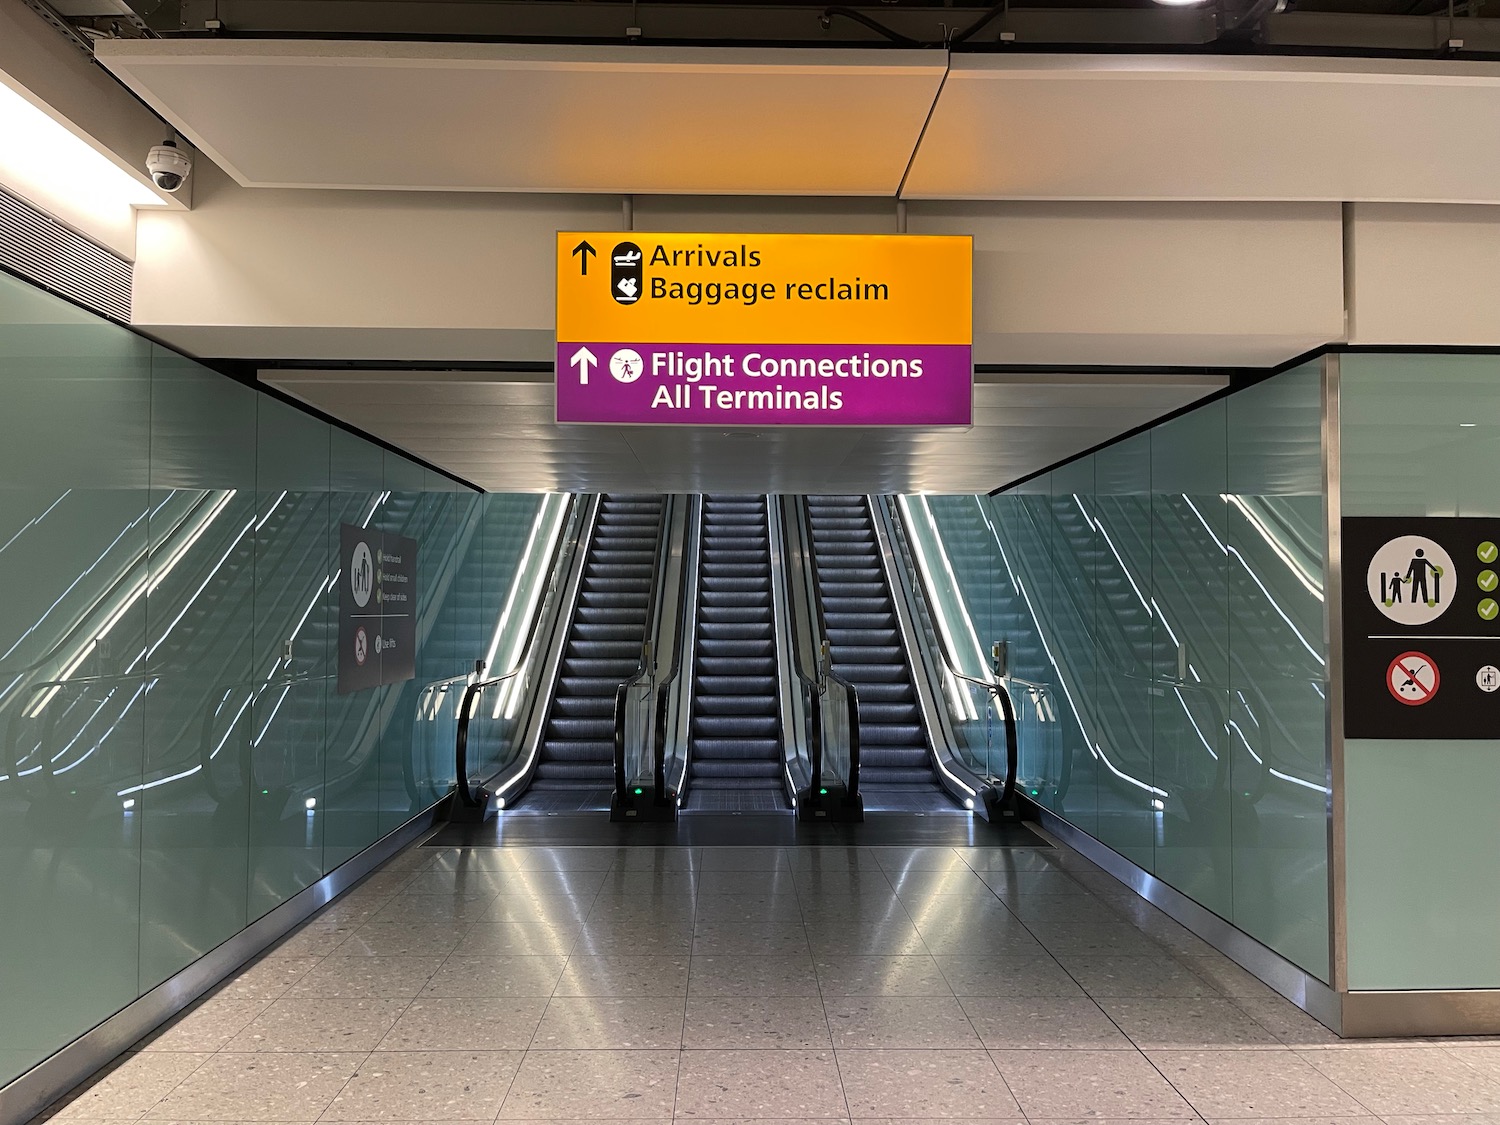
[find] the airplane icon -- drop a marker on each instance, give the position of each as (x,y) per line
(629,259)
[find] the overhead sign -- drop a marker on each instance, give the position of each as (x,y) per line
(377,608)
(764,329)
(1422,629)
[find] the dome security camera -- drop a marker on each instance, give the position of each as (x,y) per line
(169,166)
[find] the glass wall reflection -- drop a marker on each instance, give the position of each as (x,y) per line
(176,758)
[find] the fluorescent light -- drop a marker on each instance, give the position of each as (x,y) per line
(44,161)
(1467,425)
(311,803)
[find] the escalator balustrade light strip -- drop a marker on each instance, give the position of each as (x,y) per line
(1274,542)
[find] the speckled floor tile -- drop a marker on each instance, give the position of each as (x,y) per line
(1097,939)
(607,1022)
(1270,1083)
(1411,1079)
(350,978)
(269,978)
(1185,1023)
(742,859)
(1089,1084)
(259,1087)
(1019,976)
(536,908)
(496,976)
(879,1022)
(319,1025)
(892,938)
(518,939)
(403,939)
(753,976)
(910,975)
(130,1087)
(593,1084)
(590,975)
(206,1026)
(748,908)
(759,1022)
(1043,1023)
(924,1084)
(465,1024)
(1115,976)
(426,1086)
(435,908)
(776,882)
(1288,1023)
(759,1084)
(755,939)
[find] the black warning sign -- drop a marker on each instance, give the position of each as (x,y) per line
(377,608)
(1421,627)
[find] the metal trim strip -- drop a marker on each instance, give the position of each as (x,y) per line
(1452,1012)
(54,1076)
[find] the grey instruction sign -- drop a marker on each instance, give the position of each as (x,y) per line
(377,608)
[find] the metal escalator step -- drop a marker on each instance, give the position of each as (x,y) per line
(889,734)
(735,630)
(576,753)
(714,687)
(752,726)
(581,728)
(713,781)
(717,658)
(873,711)
(585,707)
(739,704)
(715,614)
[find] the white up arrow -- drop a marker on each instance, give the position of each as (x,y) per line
(583,359)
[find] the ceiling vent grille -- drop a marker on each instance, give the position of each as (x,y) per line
(39,248)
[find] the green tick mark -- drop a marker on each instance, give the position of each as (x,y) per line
(1488,552)
(1488,580)
(1489,608)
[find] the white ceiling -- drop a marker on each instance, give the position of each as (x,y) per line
(748,121)
(497,431)
(478,117)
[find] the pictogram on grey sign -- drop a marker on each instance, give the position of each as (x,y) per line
(1422,632)
(377,608)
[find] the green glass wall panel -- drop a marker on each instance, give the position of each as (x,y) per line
(292,671)
(1421,436)
(1278,674)
(352,768)
(176,760)
(74,497)
(1189,688)
(1074,761)
(1166,593)
(200,631)
(1122,515)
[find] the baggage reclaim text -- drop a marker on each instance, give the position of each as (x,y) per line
(692,370)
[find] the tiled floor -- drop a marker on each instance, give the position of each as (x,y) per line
(743,984)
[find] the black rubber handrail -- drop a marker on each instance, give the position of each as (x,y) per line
(463,791)
(647,666)
(825,664)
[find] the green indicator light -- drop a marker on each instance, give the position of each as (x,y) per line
(1036,792)
(265,792)
(638,792)
(823,791)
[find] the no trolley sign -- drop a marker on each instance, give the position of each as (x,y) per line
(764,330)
(1421,627)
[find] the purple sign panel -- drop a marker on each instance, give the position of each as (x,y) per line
(765,385)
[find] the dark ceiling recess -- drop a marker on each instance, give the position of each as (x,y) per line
(1400,28)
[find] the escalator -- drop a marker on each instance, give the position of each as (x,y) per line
(575,765)
(735,744)
(896,769)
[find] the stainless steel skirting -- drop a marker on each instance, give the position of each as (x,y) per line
(33,1091)
(1450,1012)
(1296,984)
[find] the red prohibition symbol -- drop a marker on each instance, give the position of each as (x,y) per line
(1412,678)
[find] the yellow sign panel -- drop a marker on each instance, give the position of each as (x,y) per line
(764,288)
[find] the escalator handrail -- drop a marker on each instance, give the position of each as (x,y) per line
(998,686)
(685,598)
(824,648)
(646,669)
(463,789)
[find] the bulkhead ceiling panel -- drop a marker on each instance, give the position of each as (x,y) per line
(486,117)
